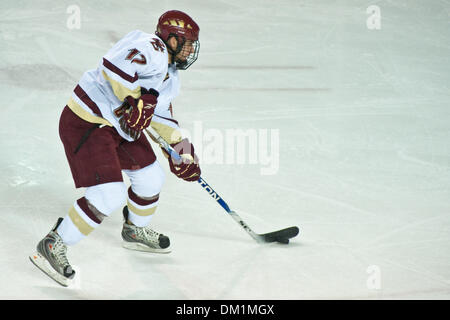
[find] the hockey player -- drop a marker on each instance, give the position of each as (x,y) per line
(101,129)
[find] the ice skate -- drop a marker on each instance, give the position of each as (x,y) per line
(143,239)
(51,258)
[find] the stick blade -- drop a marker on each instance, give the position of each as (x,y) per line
(281,236)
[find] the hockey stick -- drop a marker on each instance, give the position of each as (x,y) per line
(281,236)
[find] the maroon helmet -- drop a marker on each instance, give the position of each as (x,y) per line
(178,24)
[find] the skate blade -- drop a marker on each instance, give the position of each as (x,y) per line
(42,263)
(142,247)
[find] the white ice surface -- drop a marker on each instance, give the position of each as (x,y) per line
(364,123)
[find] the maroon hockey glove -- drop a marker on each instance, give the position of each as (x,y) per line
(188,168)
(139,115)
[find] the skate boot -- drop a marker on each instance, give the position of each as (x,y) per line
(143,239)
(51,257)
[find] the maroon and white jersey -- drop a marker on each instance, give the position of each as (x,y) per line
(138,60)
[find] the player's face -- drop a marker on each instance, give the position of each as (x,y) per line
(188,48)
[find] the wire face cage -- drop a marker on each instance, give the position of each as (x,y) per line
(190,50)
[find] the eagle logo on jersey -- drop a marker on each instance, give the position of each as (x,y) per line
(158,45)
